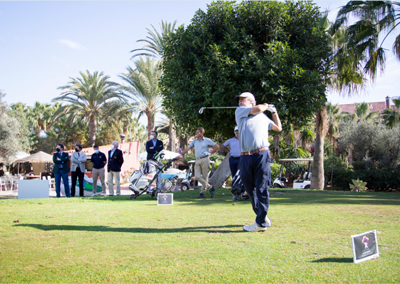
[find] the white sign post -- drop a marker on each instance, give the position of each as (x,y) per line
(165,199)
(365,246)
(34,188)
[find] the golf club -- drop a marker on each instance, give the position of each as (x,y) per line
(203,108)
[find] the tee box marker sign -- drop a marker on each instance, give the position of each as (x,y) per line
(365,246)
(165,199)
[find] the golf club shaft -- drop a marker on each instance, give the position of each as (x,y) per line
(203,108)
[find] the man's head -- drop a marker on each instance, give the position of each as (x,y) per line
(246,99)
(114,145)
(60,147)
(96,148)
(153,135)
(236,131)
(200,133)
(78,147)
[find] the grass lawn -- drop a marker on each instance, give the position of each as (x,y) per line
(114,239)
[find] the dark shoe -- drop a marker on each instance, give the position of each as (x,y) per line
(212,190)
(201,195)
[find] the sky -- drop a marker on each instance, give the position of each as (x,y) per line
(45,43)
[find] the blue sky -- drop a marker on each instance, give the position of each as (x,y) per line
(45,43)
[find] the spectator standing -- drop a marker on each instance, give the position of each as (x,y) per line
(61,169)
(153,146)
(99,160)
(255,159)
(234,150)
(202,151)
(78,169)
(115,161)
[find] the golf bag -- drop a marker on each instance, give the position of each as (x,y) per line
(237,188)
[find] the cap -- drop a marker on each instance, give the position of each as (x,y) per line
(246,95)
(236,128)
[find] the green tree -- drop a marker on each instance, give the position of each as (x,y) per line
(271,49)
(143,87)
(89,98)
(13,138)
(375,19)
(391,117)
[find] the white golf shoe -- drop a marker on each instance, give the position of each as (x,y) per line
(93,194)
(254,228)
(268,221)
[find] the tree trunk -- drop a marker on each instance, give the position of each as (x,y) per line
(171,137)
(149,125)
(221,174)
(92,127)
(318,178)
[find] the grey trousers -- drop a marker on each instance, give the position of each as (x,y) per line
(98,173)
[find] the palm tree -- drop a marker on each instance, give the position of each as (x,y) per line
(333,122)
(90,98)
(345,77)
(155,41)
(361,113)
(391,117)
(144,89)
(154,47)
(375,18)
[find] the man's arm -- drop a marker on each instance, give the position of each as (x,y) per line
(278,125)
(185,151)
(104,159)
(214,149)
(259,108)
(225,148)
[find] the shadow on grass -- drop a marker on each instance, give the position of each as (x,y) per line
(208,229)
(278,197)
(334,260)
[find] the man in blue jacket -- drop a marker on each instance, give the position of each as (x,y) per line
(61,169)
(153,146)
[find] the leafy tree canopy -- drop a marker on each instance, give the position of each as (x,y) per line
(273,49)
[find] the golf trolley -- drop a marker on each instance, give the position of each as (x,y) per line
(303,182)
(149,171)
(238,188)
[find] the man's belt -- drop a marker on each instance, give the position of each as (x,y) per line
(235,157)
(254,151)
(201,157)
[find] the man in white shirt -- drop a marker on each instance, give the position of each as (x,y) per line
(255,169)
(234,150)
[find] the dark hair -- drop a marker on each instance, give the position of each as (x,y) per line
(201,129)
(155,132)
(61,146)
(95,146)
(79,146)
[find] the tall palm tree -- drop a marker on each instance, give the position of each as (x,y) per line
(155,41)
(345,77)
(89,98)
(144,89)
(391,117)
(376,18)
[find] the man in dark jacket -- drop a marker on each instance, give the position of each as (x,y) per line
(61,169)
(115,161)
(99,160)
(153,146)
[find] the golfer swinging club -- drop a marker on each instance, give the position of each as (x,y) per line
(255,169)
